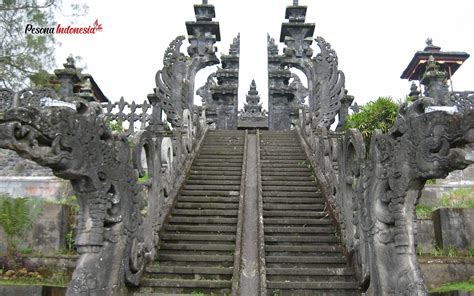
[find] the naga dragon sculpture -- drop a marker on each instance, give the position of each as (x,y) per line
(376,192)
(72,138)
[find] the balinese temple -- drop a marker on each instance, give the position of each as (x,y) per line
(447,61)
(252,116)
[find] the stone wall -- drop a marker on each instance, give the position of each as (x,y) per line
(48,233)
(13,165)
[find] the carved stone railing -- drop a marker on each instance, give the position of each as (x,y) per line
(119,217)
(136,115)
(372,191)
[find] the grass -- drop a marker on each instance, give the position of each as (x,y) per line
(458,198)
(459,286)
(31,282)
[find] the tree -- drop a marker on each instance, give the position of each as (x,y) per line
(380,114)
(22,55)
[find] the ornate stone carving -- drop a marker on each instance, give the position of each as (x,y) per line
(376,193)
(78,146)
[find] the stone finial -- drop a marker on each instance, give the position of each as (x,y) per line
(70,63)
(414,92)
(204,2)
(429,42)
(295,2)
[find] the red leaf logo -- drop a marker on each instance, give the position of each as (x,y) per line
(97,26)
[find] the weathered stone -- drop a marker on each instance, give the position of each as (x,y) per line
(424,239)
(48,188)
(47,234)
(454,228)
(438,271)
(22,290)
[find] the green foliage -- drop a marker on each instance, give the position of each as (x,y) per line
(116,125)
(424,211)
(449,287)
(144,178)
(457,198)
(16,216)
(24,55)
(380,114)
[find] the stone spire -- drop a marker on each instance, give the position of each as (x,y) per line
(252,116)
(253,106)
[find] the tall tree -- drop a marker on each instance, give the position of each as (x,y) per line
(23,55)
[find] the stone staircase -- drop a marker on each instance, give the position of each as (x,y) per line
(196,252)
(199,240)
(302,252)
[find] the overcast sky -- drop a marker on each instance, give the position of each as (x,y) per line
(375,40)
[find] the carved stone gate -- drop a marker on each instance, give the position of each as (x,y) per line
(371,191)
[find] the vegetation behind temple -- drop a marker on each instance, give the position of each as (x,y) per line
(379,114)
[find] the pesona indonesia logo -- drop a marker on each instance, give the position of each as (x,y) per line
(60,29)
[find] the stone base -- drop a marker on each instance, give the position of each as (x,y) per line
(438,271)
(32,291)
(454,228)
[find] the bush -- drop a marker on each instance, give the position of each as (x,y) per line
(380,114)
(16,216)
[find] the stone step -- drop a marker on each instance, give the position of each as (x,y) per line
(209,163)
(303,249)
(301,239)
(214,182)
(286,178)
(305,174)
(207,199)
(180,283)
(306,259)
(221,157)
(220,160)
(194,173)
(296,221)
(268,213)
(181,212)
(196,258)
(294,200)
(197,237)
(290,194)
(310,271)
(311,188)
(293,207)
(216,168)
(213,187)
(283,161)
(311,230)
(216,206)
(156,268)
(225,153)
(215,177)
(314,286)
(203,220)
(201,228)
(210,193)
(265,170)
(197,246)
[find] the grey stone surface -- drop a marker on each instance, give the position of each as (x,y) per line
(49,188)
(454,228)
(13,165)
(424,239)
(438,271)
(432,194)
(31,291)
(48,233)
(250,271)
